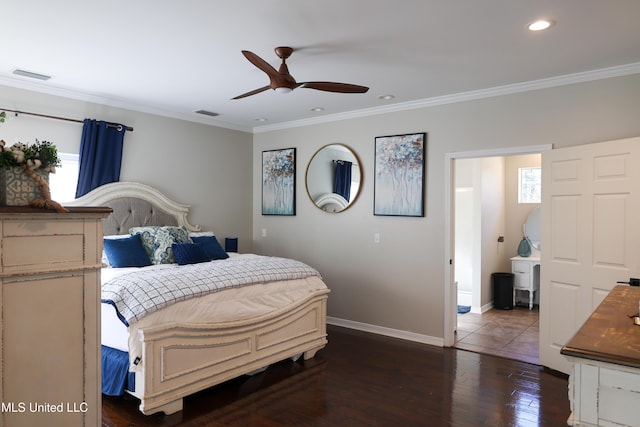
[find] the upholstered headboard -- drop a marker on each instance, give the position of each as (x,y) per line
(135,205)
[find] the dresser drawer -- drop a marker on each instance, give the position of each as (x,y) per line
(30,246)
(521,281)
(520,267)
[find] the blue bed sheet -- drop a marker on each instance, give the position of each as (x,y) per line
(116,377)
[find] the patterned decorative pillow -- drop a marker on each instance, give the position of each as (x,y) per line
(157,241)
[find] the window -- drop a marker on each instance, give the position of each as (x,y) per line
(529,185)
(63,183)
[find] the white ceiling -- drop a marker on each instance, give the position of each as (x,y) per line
(173,58)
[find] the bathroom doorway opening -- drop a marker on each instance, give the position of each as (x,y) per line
(484,230)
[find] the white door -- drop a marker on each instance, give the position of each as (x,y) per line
(590,235)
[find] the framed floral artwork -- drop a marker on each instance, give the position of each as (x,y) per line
(399,178)
(279,182)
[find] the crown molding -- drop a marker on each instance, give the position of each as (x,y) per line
(582,77)
(116,103)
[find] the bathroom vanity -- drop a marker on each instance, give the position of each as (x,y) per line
(526,276)
(526,270)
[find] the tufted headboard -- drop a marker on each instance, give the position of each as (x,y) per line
(135,205)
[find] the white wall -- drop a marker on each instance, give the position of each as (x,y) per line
(465,212)
(398,283)
(207,167)
(494,257)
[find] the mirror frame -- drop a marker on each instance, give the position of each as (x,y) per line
(357,162)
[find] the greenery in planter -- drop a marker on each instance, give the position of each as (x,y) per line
(41,156)
(34,156)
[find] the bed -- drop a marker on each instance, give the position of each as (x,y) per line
(172,351)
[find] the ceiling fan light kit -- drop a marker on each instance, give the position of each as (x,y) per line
(283,90)
(282,81)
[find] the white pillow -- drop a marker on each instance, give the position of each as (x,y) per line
(201,233)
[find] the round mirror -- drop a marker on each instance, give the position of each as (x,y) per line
(532,228)
(333,178)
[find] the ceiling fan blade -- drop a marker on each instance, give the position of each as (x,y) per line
(262,64)
(335,87)
(253,92)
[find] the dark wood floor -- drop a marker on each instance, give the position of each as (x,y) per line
(362,379)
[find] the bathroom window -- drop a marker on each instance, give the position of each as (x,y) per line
(63,183)
(529,185)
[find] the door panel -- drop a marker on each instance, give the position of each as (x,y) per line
(590,194)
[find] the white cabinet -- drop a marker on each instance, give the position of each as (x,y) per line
(603,394)
(49,317)
(604,386)
(526,276)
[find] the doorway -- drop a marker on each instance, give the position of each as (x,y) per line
(492,246)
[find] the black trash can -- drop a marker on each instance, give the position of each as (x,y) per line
(502,290)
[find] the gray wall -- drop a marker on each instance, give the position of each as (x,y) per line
(398,283)
(207,167)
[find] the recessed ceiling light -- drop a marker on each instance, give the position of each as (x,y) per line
(317,109)
(386,97)
(540,24)
(262,119)
(30,74)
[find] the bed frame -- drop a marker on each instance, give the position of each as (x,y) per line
(181,359)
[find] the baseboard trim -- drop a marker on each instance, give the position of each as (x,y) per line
(381,330)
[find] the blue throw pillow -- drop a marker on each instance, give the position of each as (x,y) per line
(127,252)
(210,246)
(188,253)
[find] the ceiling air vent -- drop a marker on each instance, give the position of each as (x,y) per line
(207,113)
(30,74)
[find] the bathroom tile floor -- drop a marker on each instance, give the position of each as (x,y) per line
(513,334)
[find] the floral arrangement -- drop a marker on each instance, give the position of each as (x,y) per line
(41,155)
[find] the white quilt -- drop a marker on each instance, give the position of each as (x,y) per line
(230,304)
(142,292)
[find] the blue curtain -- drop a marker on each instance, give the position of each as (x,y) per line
(100,155)
(342,182)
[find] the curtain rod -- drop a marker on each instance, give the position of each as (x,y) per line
(111,125)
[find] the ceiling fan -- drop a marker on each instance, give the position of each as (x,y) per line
(282,81)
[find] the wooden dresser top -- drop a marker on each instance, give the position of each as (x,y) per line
(72,209)
(610,334)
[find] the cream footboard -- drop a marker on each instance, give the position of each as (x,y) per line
(181,359)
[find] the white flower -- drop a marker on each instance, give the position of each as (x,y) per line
(18,155)
(34,163)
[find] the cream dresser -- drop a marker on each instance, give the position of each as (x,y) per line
(49,314)
(604,386)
